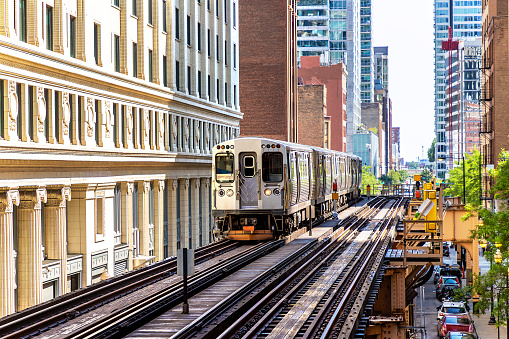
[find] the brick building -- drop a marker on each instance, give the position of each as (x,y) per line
(268,68)
(314,123)
(494,120)
(334,77)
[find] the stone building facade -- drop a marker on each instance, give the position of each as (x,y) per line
(108,113)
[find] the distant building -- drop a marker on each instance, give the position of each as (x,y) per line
(381,70)
(372,119)
(381,96)
(314,123)
(367,61)
(335,78)
(268,81)
(396,148)
(366,146)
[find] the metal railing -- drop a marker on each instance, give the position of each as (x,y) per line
(400,190)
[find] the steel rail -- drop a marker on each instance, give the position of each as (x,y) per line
(124,321)
(59,310)
(243,318)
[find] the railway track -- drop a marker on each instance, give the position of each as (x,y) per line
(37,319)
(292,306)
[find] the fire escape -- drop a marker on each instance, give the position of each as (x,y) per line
(485,128)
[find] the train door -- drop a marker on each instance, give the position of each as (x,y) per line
(248,181)
(294,179)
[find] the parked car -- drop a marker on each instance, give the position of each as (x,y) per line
(452,307)
(461,335)
(454,323)
(447,271)
(446,286)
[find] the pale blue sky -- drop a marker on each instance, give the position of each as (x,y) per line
(406,26)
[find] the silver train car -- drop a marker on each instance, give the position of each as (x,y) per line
(263,189)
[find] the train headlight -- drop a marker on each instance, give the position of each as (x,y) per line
(276,191)
(267,192)
(229,192)
(221,193)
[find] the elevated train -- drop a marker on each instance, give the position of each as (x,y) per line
(263,188)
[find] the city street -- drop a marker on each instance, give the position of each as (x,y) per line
(429,316)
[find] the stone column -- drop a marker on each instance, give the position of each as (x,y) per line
(205,211)
(172,216)
(143,217)
(30,248)
(55,220)
(184,213)
(159,221)
(194,205)
(7,262)
(127,189)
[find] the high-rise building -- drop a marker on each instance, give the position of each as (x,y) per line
(464,17)
(381,69)
(367,65)
(268,69)
(494,98)
(332,30)
(108,114)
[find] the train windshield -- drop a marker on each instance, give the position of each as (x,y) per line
(224,167)
(272,164)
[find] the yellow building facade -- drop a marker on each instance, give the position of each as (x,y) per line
(108,113)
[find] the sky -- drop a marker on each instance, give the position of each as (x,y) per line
(407,28)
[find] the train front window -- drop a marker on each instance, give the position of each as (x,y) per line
(224,168)
(272,164)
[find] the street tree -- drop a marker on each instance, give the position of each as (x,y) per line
(431,151)
(472,183)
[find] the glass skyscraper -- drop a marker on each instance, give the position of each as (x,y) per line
(464,17)
(331,29)
(367,70)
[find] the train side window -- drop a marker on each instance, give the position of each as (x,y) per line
(272,167)
(224,167)
(249,166)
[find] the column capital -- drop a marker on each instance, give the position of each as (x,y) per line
(8,200)
(186,183)
(58,197)
(33,198)
(161,185)
(174,183)
(197,182)
(207,182)
(146,186)
(130,187)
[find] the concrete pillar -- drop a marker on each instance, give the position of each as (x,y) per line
(127,189)
(195,210)
(205,211)
(159,220)
(184,213)
(143,217)
(172,216)
(30,248)
(398,291)
(55,230)
(7,261)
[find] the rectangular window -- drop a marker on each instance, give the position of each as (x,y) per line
(177,75)
(150,12)
(208,42)
(49,28)
(234,55)
(226,93)
(217,47)
(151,208)
(225,167)
(226,53)
(117,53)
(164,15)
(199,84)
(150,76)
(208,86)
(116,3)
(225,13)
(188,30)
(96,43)
(199,37)
(217,8)
(117,213)
(234,96)
(23,20)
(234,15)
(177,24)
(135,60)
(217,90)
(99,216)
(72,37)
(135,8)
(272,165)
(165,72)
(208,5)
(188,79)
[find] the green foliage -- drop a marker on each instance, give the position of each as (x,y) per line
(368,178)
(501,175)
(472,180)
(403,174)
(431,151)
(413,165)
(426,175)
